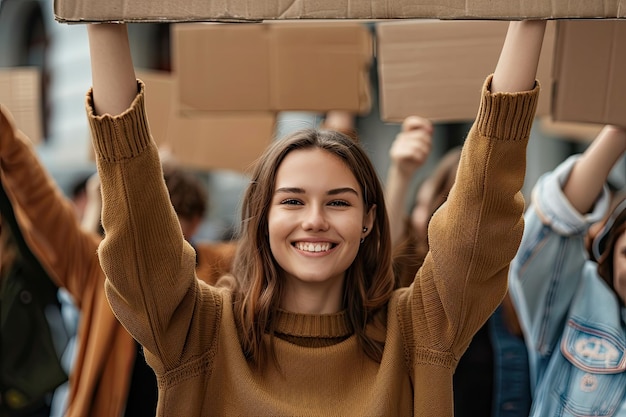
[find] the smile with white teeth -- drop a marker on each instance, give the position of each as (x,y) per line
(313,247)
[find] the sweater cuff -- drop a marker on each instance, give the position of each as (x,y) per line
(507,116)
(555,209)
(120,137)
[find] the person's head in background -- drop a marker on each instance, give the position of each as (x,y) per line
(433,192)
(606,243)
(189,198)
(341,121)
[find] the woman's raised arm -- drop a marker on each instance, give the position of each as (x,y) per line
(113,74)
(517,66)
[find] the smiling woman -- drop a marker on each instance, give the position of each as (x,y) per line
(321,188)
(315,230)
(313,324)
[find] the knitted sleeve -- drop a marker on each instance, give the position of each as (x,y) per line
(474,235)
(46,217)
(150,268)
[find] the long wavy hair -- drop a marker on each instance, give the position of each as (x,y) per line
(369,280)
(605,236)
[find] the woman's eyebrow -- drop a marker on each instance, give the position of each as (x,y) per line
(337,191)
(334,191)
(291,190)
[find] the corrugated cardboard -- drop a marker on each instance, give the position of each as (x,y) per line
(304,66)
(590,72)
(436,69)
(256,10)
(225,140)
(20,91)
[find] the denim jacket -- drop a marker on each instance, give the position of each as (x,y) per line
(511,388)
(571,319)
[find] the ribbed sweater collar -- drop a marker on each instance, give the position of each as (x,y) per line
(313,325)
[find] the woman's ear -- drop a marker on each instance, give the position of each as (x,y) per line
(368,220)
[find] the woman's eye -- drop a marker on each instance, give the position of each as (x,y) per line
(290,201)
(339,203)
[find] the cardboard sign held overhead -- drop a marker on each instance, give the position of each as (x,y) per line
(590,68)
(435,69)
(20,91)
(305,66)
(257,10)
(224,140)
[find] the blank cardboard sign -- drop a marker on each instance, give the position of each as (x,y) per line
(435,69)
(590,68)
(304,66)
(211,140)
(258,10)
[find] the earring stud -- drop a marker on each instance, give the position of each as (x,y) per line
(364,229)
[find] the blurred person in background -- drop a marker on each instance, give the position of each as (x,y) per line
(109,375)
(568,285)
(492,377)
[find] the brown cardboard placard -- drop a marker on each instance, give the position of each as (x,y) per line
(589,69)
(231,141)
(436,69)
(212,140)
(20,92)
(255,10)
(304,66)
(222,67)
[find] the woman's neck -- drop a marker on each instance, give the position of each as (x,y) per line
(312,298)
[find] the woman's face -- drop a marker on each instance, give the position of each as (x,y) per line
(619,267)
(316,222)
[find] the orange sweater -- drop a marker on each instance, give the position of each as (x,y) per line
(100,378)
(188,328)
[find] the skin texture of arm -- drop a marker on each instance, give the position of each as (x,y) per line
(591,171)
(91,218)
(114,82)
(517,66)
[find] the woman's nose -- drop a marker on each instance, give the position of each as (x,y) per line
(315,219)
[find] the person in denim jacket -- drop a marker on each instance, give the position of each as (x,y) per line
(570,302)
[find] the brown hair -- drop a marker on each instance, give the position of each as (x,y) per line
(187,194)
(369,280)
(601,240)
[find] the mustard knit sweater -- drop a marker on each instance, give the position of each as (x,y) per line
(188,328)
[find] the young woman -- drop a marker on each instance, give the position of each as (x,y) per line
(313,325)
(571,299)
